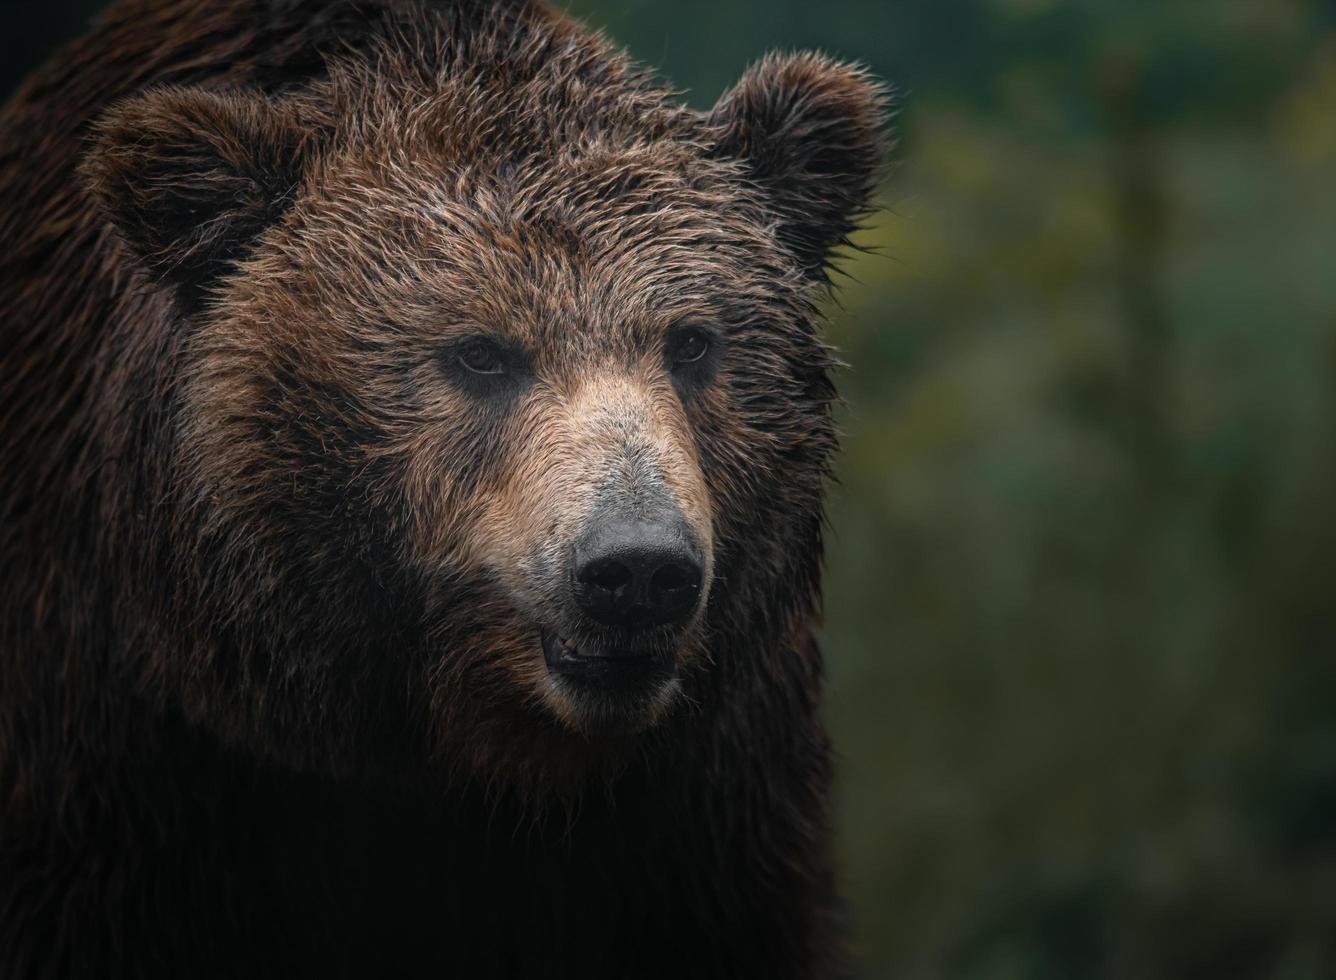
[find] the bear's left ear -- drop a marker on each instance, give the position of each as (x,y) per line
(191,177)
(811,133)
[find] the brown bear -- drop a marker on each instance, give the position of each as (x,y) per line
(413,428)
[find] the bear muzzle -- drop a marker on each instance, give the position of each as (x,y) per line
(636,583)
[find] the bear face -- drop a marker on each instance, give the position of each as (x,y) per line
(499,415)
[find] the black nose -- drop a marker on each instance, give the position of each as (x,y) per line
(637,573)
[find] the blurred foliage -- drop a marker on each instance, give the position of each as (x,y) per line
(1081,598)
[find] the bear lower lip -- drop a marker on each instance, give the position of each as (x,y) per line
(615,667)
(558,649)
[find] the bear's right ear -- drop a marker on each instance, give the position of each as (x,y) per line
(190,177)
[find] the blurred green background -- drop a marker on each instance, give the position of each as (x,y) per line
(1081,598)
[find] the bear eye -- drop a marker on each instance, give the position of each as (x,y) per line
(690,345)
(483,366)
(481,357)
(692,348)
(690,353)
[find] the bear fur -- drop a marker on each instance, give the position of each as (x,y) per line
(272,696)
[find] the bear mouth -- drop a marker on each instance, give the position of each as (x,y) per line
(612,669)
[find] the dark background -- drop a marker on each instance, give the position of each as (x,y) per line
(1082,577)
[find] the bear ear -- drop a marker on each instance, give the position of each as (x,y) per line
(190,178)
(811,133)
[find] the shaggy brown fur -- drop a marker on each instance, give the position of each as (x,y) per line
(327,327)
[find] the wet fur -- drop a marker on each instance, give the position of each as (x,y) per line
(270,699)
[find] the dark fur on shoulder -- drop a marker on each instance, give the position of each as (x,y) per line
(274,694)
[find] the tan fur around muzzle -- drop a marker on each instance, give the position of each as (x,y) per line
(611,439)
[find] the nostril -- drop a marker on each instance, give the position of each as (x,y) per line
(610,575)
(675,578)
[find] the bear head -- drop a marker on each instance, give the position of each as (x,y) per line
(495,417)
